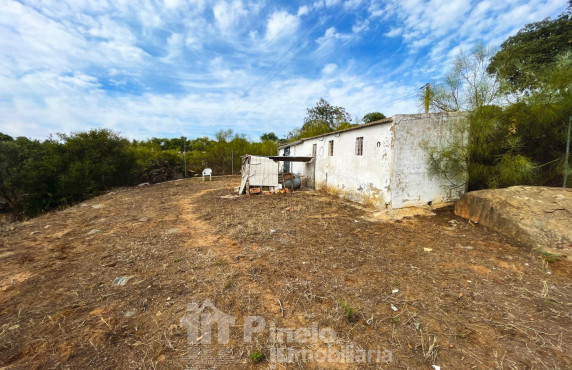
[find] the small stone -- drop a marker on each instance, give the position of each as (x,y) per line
(395,291)
(466,247)
(122,280)
(93,231)
(393,308)
(172,231)
(97,206)
(427,249)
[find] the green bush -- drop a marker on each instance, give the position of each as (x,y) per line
(256,356)
(37,176)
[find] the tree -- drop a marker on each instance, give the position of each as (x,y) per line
(484,149)
(524,57)
(372,117)
(321,119)
(492,153)
(224,135)
(36,176)
(95,161)
(495,150)
(271,136)
(450,159)
(535,67)
(334,117)
(467,86)
(13,157)
(541,119)
(310,129)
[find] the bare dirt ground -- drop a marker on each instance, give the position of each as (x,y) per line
(430,290)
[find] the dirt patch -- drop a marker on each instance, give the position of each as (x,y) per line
(464,296)
(297,260)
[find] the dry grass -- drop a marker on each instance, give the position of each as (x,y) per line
(474,300)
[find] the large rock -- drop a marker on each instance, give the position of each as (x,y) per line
(536,216)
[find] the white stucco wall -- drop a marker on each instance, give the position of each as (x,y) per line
(365,179)
(411,184)
(391,173)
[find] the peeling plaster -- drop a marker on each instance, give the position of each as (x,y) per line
(391,173)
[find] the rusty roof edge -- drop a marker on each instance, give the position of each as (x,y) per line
(369,124)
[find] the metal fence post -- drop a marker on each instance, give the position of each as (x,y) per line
(566,163)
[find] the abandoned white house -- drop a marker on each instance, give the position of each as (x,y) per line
(381,163)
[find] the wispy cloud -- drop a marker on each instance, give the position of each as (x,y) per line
(192,67)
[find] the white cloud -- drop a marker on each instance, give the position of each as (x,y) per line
(303,10)
(192,42)
(228,14)
(80,80)
(173,3)
(445,24)
(150,19)
(393,32)
(159,68)
(280,24)
(329,68)
(329,40)
(175,44)
(325,3)
(67,105)
(330,3)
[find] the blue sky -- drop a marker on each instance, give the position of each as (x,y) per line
(168,68)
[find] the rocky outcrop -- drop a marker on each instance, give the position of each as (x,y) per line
(536,216)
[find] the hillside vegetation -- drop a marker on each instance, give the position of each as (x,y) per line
(40,175)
